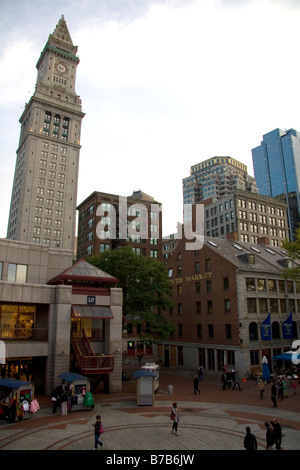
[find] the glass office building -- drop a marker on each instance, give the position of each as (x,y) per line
(276,163)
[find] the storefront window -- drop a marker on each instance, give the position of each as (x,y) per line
(261,285)
(16,320)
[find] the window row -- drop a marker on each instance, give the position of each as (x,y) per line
(209,332)
(270,285)
(205,307)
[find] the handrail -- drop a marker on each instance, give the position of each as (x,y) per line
(29,334)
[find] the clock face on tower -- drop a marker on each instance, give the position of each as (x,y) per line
(61,68)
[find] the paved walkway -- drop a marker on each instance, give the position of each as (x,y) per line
(212,420)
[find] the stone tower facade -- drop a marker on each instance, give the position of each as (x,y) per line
(44,194)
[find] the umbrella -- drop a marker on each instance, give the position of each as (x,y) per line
(293,356)
(265,369)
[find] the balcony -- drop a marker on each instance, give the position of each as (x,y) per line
(23,334)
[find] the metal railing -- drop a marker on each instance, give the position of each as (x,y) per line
(21,334)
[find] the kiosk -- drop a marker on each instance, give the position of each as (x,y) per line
(16,399)
(144,386)
(154,368)
(77,388)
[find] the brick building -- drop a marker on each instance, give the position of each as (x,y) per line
(222,294)
(108,221)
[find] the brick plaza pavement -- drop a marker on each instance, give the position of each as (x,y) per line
(212,420)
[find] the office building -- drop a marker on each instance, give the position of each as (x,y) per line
(214,178)
(247,217)
(44,193)
(108,221)
(276,163)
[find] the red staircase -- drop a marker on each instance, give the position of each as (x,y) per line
(88,362)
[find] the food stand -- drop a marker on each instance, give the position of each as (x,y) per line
(144,386)
(16,397)
(78,391)
(154,368)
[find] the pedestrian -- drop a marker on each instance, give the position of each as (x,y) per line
(54,400)
(200,373)
(236,380)
(269,436)
(224,380)
(196,385)
(280,389)
(98,431)
(64,404)
(294,386)
(261,388)
(274,394)
(250,442)
(175,416)
(277,433)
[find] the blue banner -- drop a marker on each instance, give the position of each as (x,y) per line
(287,327)
(266,328)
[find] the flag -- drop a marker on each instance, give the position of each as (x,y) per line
(287,327)
(266,328)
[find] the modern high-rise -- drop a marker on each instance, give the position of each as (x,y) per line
(276,164)
(214,178)
(44,193)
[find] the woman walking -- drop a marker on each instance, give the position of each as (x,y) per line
(175,414)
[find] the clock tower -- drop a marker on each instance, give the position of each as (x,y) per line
(44,194)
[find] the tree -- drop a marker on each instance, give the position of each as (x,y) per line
(293,252)
(146,289)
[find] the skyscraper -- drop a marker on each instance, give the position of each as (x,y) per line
(214,178)
(44,193)
(276,163)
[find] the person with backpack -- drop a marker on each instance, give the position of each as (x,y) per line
(250,442)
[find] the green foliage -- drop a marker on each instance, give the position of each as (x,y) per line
(146,289)
(293,252)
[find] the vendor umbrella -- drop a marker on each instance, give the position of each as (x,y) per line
(265,369)
(293,356)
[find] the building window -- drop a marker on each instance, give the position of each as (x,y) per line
(197,287)
(250,284)
(253,331)
(210,330)
(198,307)
(199,331)
(251,305)
(17,272)
(226,283)
(207,265)
(180,331)
(228,331)
(179,309)
(197,267)
(227,306)
(209,307)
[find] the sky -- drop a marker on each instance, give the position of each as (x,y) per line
(164,85)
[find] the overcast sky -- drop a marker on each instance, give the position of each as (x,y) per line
(164,84)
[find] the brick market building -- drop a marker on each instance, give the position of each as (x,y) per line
(222,294)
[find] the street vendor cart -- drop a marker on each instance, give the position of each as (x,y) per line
(154,368)
(17,399)
(77,388)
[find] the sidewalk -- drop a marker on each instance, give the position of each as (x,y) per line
(212,420)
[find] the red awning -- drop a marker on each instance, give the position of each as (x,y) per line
(91,311)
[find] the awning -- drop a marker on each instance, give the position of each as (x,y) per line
(91,311)
(13,383)
(72,376)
